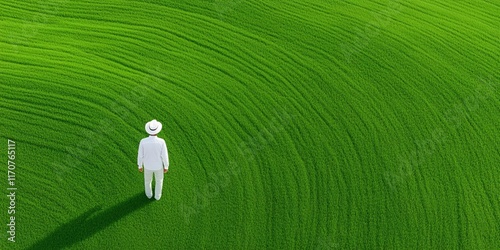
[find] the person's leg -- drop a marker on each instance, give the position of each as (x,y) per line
(159,183)
(148,178)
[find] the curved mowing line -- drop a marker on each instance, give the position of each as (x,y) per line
(54,61)
(44,83)
(40,105)
(188,17)
(24,110)
(198,96)
(189,92)
(32,16)
(119,32)
(48,65)
(91,64)
(254,59)
(430,13)
(467,9)
(289,15)
(455,32)
(41,92)
(202,113)
(425,52)
(25,105)
(213,102)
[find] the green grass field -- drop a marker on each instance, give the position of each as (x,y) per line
(290,124)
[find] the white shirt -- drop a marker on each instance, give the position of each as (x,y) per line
(152,153)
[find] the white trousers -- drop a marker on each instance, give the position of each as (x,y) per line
(148,178)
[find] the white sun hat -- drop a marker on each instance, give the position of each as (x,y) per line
(153,127)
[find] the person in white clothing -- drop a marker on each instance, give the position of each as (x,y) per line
(153,156)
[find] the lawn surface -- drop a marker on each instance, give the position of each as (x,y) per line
(290,124)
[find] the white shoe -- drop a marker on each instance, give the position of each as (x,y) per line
(149,197)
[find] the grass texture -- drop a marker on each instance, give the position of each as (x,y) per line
(290,124)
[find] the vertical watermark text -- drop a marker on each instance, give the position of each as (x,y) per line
(11,189)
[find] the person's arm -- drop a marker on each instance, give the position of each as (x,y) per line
(164,157)
(140,157)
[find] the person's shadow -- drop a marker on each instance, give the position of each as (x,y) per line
(86,225)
